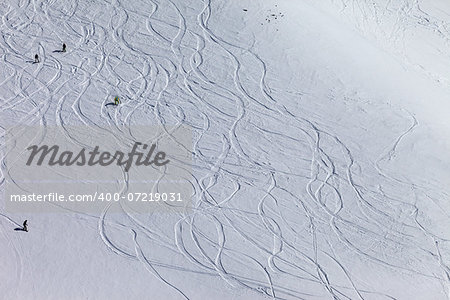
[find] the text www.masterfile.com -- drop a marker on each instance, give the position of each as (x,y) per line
(103,197)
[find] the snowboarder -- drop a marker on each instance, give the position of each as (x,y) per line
(116,101)
(25,226)
(64,48)
(36,59)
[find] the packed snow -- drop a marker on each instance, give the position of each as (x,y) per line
(321,166)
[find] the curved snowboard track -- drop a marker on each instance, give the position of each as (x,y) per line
(288,204)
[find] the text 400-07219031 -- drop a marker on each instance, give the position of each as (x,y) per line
(143,197)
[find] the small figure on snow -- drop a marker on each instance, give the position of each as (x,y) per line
(25,226)
(36,59)
(64,48)
(116,101)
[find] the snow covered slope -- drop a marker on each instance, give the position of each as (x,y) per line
(321,147)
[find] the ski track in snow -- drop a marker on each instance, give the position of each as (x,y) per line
(398,26)
(281,230)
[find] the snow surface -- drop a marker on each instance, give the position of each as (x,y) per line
(321,141)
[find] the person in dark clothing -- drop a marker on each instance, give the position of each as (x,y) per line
(64,48)
(25,225)
(36,58)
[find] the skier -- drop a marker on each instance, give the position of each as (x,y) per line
(36,59)
(25,226)
(64,48)
(116,101)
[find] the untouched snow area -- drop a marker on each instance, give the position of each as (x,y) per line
(320,144)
